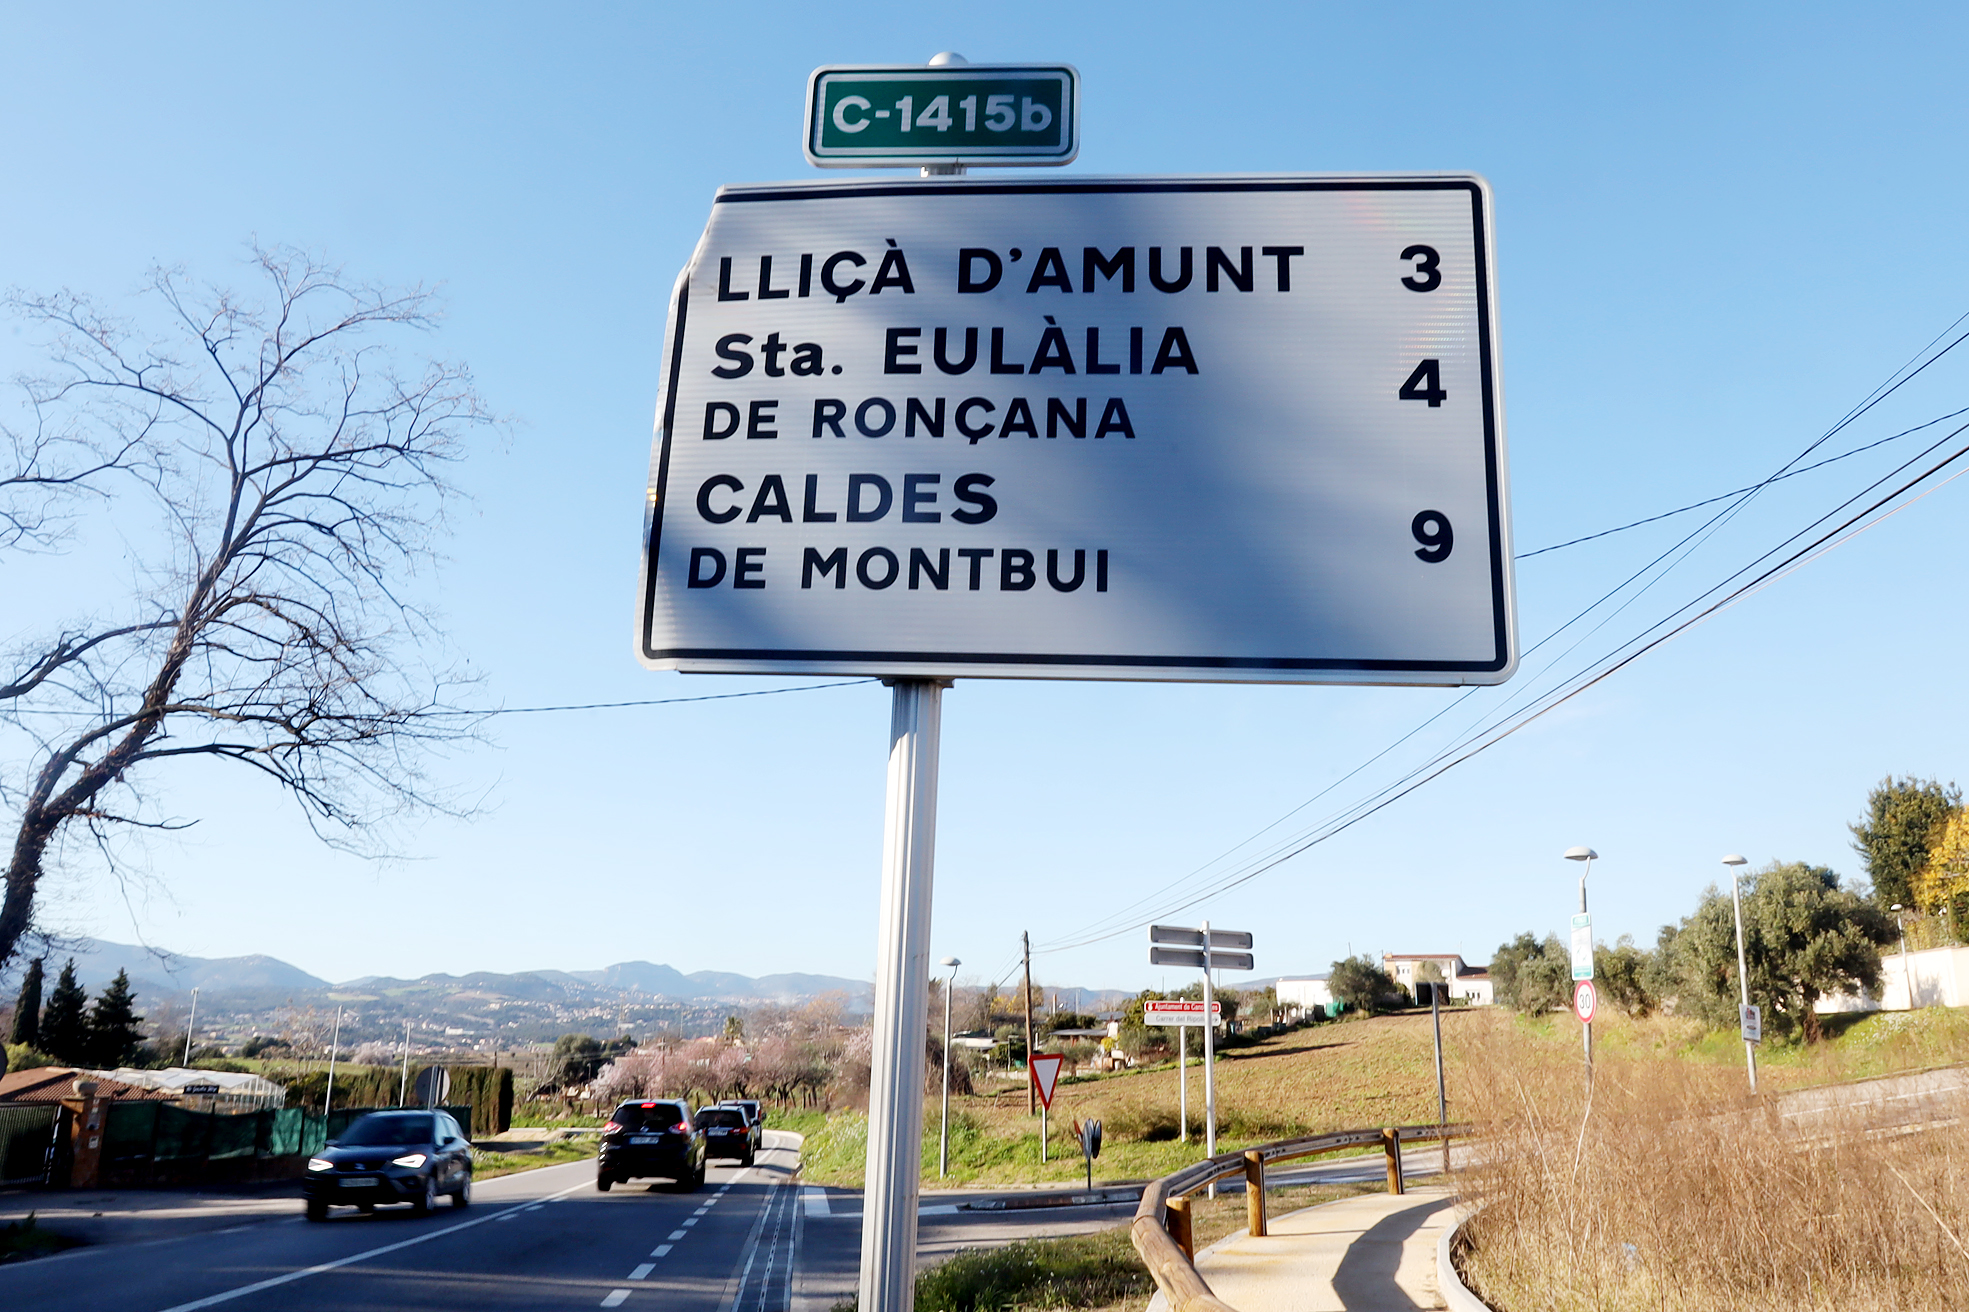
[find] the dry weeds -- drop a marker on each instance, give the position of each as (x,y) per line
(1671,1188)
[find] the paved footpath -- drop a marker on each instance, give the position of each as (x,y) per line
(1373,1253)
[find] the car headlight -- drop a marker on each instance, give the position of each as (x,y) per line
(320,1164)
(412,1160)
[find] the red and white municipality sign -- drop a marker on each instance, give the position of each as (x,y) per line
(1172,1011)
(1045,1071)
(1585,1001)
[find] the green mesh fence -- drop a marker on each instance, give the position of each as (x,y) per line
(141,1136)
(131,1130)
(24,1136)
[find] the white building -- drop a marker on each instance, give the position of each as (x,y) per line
(1308,993)
(1933,977)
(1464,983)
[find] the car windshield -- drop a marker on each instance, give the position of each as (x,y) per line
(388,1131)
(730,1116)
(650,1116)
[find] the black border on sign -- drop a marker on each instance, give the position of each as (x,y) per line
(1148,664)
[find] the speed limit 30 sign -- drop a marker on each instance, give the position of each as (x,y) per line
(1585,1001)
(1222,428)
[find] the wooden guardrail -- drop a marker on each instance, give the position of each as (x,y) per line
(1161,1231)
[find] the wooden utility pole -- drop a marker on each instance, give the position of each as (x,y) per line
(1032,1094)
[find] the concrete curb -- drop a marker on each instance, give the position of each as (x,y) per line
(1456,1295)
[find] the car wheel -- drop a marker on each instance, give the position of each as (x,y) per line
(427,1200)
(697,1180)
(602,1181)
(317,1210)
(463,1198)
(747,1160)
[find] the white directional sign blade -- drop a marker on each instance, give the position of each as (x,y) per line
(1192,958)
(1184,936)
(1178,1012)
(1232,429)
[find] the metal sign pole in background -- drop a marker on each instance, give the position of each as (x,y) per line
(1183,1080)
(1209,1059)
(902,965)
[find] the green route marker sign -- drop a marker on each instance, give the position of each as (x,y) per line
(871,116)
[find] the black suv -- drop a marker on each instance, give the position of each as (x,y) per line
(651,1138)
(727,1132)
(391,1157)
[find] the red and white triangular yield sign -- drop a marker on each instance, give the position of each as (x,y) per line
(1045,1070)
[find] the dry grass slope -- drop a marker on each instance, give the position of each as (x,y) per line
(1671,1189)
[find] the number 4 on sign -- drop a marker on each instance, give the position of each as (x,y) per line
(1045,1069)
(1425,384)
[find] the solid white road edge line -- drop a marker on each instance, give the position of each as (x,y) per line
(289,1277)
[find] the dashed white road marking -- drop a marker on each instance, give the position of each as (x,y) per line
(688,1222)
(674,1236)
(661,1250)
(616,1298)
(642,1272)
(290,1276)
(815,1199)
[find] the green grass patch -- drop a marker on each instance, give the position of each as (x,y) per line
(542,1116)
(24,1239)
(489,1165)
(1098,1270)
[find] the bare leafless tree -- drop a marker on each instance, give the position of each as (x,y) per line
(295,469)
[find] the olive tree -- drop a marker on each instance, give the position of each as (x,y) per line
(277,464)
(1805,936)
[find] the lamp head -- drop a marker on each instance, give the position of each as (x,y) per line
(1734,860)
(950,963)
(1895,907)
(1580,854)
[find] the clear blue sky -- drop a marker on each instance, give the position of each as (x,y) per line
(1718,228)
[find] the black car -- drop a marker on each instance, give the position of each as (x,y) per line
(727,1133)
(658,1138)
(755,1117)
(391,1157)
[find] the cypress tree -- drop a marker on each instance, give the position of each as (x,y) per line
(64,1022)
(114,1031)
(27,1009)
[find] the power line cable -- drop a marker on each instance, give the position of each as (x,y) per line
(1915,365)
(1481,740)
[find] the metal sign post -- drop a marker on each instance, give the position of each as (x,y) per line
(1166,1011)
(895,1104)
(1203,949)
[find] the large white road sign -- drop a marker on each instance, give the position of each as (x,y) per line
(1161,428)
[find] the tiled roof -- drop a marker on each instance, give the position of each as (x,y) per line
(53,1083)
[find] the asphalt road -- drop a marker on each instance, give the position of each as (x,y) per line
(750,1241)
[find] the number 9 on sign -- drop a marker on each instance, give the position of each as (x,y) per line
(1431,528)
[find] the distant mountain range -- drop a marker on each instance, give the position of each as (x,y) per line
(169,974)
(240,997)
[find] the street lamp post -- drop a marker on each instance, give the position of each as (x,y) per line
(943,1135)
(189,1024)
(1736,865)
(1587,855)
(1900,922)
